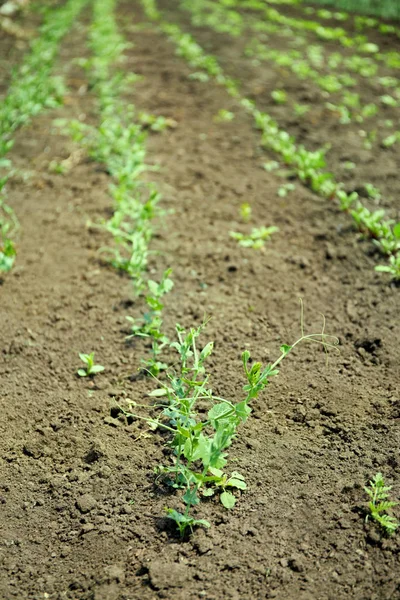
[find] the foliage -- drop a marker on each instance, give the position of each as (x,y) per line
(91,367)
(379,504)
(256,239)
(150,326)
(200,443)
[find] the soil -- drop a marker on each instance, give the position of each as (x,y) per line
(81,516)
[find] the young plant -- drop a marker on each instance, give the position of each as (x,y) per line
(279,96)
(150,326)
(256,239)
(200,440)
(224,116)
(91,367)
(393,268)
(245,212)
(8,228)
(379,504)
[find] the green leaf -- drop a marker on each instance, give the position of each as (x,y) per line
(191,497)
(236,483)
(82,373)
(205,353)
(84,358)
(237,475)
(216,472)
(396,230)
(227,499)
(96,369)
(242,410)
(158,393)
(208,492)
(285,349)
(153,287)
(218,411)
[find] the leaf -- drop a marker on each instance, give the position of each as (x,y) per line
(153,287)
(96,369)
(84,358)
(205,353)
(237,475)
(216,472)
(191,497)
(217,412)
(227,499)
(285,349)
(236,483)
(208,492)
(154,304)
(242,410)
(82,373)
(396,230)
(158,393)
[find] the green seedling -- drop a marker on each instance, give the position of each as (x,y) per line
(393,268)
(391,139)
(220,481)
(279,96)
(8,229)
(284,190)
(345,199)
(185,521)
(270,166)
(200,440)
(301,109)
(224,116)
(389,100)
(156,123)
(91,367)
(379,504)
(150,325)
(245,212)
(256,239)
(310,167)
(372,191)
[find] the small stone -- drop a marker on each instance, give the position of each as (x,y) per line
(86,503)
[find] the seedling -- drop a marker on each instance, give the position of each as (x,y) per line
(279,96)
(379,504)
(8,228)
(256,239)
(150,326)
(284,190)
(200,441)
(185,521)
(91,367)
(224,116)
(393,268)
(245,212)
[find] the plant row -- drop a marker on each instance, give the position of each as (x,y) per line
(306,64)
(358,42)
(32,88)
(310,167)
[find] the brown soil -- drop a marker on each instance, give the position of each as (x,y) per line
(80,515)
